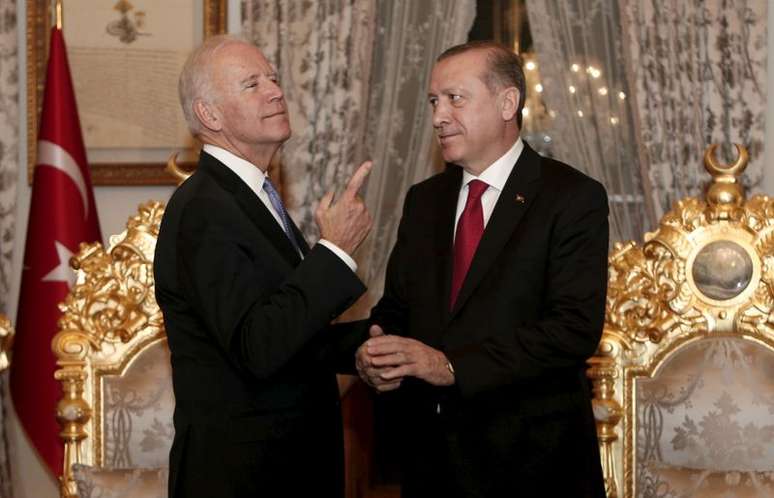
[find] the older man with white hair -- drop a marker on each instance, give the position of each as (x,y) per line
(247,304)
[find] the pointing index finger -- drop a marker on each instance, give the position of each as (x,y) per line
(358,178)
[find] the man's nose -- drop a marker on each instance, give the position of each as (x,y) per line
(275,92)
(440,115)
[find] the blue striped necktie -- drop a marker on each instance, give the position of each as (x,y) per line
(276,202)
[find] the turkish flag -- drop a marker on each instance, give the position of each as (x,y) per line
(62,215)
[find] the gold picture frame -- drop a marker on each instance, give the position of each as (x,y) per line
(126,172)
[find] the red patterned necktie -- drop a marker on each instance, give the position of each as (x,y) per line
(469,231)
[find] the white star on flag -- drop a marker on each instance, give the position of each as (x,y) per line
(63,272)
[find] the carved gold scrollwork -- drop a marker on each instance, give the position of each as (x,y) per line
(110,312)
(607,412)
(687,215)
(72,413)
(759,315)
(114,298)
(647,294)
(656,300)
(760,215)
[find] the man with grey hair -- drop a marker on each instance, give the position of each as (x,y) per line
(494,298)
(246,303)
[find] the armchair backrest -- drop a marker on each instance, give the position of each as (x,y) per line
(116,409)
(684,375)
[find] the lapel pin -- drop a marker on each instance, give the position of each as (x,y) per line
(520,198)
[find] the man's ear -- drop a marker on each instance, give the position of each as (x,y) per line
(509,103)
(208,115)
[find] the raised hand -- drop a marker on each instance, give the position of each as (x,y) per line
(346,222)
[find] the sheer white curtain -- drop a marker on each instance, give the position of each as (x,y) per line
(9,168)
(355,74)
(322,50)
(674,77)
(410,35)
(9,141)
(698,68)
(579,48)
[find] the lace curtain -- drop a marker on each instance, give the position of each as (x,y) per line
(699,71)
(638,93)
(578,44)
(355,74)
(322,51)
(9,167)
(410,35)
(9,141)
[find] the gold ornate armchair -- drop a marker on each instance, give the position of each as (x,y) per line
(117,404)
(684,375)
(117,400)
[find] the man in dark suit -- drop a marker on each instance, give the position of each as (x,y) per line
(247,304)
(494,298)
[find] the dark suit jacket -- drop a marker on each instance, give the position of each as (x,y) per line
(253,357)
(518,422)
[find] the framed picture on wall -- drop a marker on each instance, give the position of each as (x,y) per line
(125,58)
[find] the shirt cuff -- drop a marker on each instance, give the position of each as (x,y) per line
(346,258)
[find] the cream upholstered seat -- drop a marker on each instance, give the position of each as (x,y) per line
(117,405)
(684,374)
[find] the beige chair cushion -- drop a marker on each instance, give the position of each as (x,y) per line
(138,410)
(705,422)
(93,482)
(673,482)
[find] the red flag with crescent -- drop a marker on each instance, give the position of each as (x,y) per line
(62,215)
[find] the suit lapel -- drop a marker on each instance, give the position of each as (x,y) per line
(300,239)
(446,206)
(253,207)
(517,195)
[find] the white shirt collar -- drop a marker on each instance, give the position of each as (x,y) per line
(247,171)
(254,178)
(498,172)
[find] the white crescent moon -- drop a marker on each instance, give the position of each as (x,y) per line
(51,154)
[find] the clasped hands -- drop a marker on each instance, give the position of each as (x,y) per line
(383,361)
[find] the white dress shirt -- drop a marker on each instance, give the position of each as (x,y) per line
(254,178)
(495,176)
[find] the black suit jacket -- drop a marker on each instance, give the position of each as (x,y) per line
(253,356)
(518,422)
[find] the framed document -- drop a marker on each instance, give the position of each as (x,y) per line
(125,58)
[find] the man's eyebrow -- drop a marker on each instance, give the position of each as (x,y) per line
(447,91)
(250,78)
(456,90)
